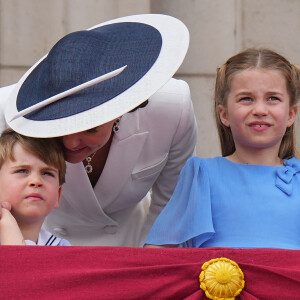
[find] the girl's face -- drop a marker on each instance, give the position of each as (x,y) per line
(258,109)
(82,144)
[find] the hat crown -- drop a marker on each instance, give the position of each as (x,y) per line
(84,55)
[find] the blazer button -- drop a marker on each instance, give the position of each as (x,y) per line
(110,229)
(60,231)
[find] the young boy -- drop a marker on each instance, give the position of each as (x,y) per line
(31,174)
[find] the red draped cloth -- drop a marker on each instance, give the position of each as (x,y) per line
(40,272)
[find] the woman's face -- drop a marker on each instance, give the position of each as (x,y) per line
(80,145)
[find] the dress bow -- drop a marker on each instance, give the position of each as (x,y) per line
(285,175)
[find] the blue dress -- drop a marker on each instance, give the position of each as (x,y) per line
(218,203)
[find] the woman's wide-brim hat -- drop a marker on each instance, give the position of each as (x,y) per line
(94,76)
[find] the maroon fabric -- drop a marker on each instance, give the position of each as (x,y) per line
(136,273)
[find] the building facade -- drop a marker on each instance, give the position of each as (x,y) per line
(218,29)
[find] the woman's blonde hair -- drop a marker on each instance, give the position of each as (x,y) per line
(252,58)
(48,150)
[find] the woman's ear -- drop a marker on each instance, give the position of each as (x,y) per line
(222,111)
(292,115)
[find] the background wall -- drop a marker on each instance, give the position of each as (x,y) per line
(218,29)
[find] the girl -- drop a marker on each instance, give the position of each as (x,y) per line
(249,197)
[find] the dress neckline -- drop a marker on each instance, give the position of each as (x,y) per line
(285,161)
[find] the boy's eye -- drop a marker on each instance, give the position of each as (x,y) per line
(245,99)
(47,173)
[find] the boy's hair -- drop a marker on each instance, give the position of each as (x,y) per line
(252,58)
(48,150)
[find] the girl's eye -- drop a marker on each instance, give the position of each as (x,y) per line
(245,99)
(273,99)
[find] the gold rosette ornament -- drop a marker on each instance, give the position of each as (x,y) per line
(221,279)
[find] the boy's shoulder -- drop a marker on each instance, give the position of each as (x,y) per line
(46,238)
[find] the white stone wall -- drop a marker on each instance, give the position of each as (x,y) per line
(218,29)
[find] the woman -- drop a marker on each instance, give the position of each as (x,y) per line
(126,126)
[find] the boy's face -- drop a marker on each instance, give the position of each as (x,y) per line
(31,186)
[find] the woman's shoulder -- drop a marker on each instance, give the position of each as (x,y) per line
(174,86)
(175,91)
(171,105)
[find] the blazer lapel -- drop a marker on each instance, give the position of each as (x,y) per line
(125,149)
(80,194)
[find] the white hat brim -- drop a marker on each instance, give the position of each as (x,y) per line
(175,42)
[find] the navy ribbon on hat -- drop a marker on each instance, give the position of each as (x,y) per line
(286,174)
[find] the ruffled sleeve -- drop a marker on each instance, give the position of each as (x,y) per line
(188,213)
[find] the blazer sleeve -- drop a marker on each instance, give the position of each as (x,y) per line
(182,147)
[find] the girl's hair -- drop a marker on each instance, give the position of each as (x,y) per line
(48,150)
(260,59)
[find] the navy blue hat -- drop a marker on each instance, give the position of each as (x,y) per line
(58,95)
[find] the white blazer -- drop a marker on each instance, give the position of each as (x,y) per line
(138,179)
